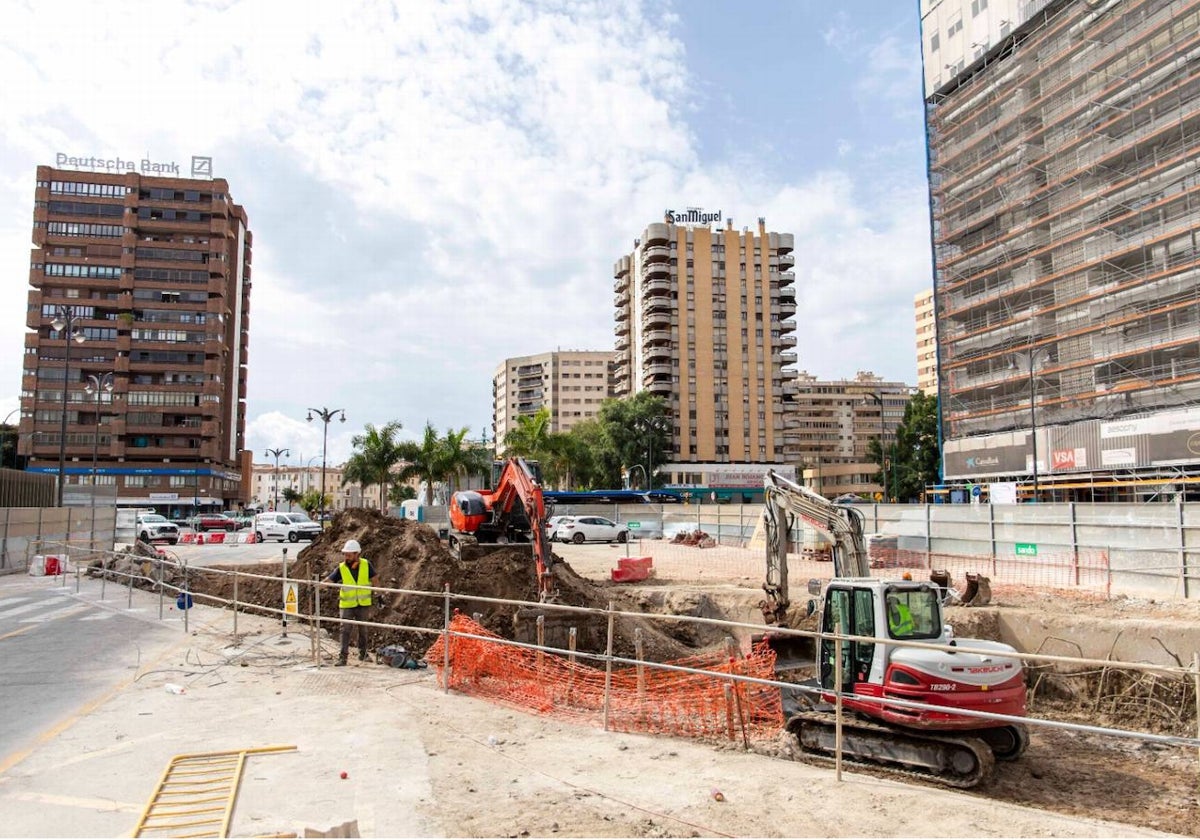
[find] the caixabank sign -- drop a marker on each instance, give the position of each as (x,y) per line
(1164,439)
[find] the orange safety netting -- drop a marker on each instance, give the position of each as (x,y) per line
(641,698)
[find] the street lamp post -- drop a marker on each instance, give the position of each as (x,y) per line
(878,398)
(326,416)
(96,385)
(1031,359)
(650,426)
(277,453)
(64,320)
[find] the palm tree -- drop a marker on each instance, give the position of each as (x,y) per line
(292,496)
(528,438)
(459,462)
(376,453)
(423,460)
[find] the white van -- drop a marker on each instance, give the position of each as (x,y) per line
(292,527)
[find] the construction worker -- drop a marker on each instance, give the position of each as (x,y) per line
(355,574)
(900,620)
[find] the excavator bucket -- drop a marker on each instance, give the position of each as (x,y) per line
(979,591)
(942,580)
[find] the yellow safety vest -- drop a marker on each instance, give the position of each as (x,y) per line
(352,595)
(900,620)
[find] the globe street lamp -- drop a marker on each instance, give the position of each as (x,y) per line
(326,416)
(878,398)
(64,320)
(277,453)
(96,385)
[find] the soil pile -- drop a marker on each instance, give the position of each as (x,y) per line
(408,555)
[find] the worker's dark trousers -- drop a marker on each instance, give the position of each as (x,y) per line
(354,614)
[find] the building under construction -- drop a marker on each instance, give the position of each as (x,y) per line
(1064,154)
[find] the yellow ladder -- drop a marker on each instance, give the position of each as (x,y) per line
(195,796)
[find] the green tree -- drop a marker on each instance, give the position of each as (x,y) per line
(912,452)
(638,432)
(459,460)
(401,493)
(423,460)
(292,496)
(528,438)
(311,501)
(375,454)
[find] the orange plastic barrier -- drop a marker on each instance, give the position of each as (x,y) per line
(642,699)
(633,569)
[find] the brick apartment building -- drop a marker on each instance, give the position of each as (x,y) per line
(134,384)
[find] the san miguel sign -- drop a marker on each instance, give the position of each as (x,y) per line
(692,216)
(201,166)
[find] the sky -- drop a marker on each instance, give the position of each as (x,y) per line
(434,187)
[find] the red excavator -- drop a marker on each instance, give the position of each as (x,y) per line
(513,511)
(956,749)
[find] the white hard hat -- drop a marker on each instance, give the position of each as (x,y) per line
(351,545)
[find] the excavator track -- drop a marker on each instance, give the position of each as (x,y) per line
(955,761)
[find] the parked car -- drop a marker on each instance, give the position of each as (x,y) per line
(153,526)
(292,527)
(580,529)
(212,522)
(552,526)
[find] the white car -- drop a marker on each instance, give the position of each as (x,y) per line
(552,526)
(292,527)
(153,526)
(581,529)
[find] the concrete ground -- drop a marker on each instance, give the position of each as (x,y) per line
(418,762)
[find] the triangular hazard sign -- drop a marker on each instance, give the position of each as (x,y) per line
(291,596)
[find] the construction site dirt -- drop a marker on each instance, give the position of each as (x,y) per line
(1084,774)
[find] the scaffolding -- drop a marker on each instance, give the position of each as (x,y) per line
(1065,180)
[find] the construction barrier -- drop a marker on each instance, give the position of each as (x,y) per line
(219,538)
(643,698)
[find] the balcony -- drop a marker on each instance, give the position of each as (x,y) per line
(657,234)
(622,327)
(656,253)
(656,370)
(786,261)
(656,287)
(621,299)
(786,278)
(656,319)
(787,340)
(658,336)
(658,351)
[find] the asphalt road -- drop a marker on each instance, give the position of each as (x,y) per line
(61,652)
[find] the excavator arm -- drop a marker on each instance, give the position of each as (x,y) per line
(783,501)
(517,483)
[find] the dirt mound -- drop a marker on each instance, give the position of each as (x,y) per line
(408,555)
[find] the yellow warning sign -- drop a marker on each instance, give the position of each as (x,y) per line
(289,599)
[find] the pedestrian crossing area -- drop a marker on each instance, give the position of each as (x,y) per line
(43,609)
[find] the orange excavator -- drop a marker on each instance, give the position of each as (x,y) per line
(513,511)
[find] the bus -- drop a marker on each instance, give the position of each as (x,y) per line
(612,497)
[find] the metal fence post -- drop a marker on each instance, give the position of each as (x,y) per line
(160,562)
(235,600)
(608,654)
(185,597)
(129,582)
(285,580)
(317,620)
(103,579)
(76,578)
(446,645)
(1074,541)
(837,693)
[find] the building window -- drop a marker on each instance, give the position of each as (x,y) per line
(935,41)
(978,6)
(954,29)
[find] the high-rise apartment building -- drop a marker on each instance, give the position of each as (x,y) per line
(704,318)
(140,284)
(838,419)
(1064,148)
(926,331)
(569,384)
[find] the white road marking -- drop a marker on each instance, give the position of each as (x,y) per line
(53,614)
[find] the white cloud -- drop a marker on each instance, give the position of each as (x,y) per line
(432,187)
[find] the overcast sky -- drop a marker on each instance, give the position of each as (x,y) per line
(435,187)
